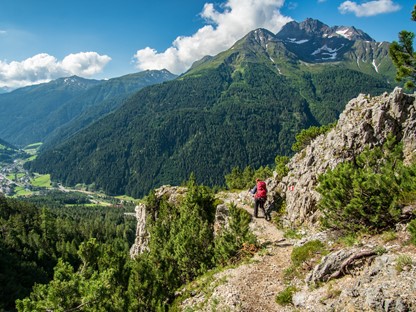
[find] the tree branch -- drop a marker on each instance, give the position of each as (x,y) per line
(351,259)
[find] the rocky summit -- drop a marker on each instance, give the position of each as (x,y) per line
(316,42)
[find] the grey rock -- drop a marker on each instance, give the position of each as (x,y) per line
(329,264)
(142,237)
(374,298)
(400,305)
(365,122)
(299,299)
(221,217)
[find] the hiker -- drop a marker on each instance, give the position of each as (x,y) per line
(260,196)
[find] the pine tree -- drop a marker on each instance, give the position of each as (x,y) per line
(404,56)
(229,242)
(365,194)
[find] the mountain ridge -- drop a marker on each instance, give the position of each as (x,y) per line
(30,114)
(315,28)
(242,106)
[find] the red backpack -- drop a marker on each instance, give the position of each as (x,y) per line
(261,190)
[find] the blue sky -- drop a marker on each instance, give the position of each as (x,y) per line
(47,39)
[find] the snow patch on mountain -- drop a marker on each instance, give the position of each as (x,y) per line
(327,52)
(294,40)
(345,32)
(375,65)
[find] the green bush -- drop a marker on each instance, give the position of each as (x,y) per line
(402,262)
(412,229)
(403,56)
(285,296)
(230,241)
(304,137)
(240,179)
(365,194)
(305,253)
(281,168)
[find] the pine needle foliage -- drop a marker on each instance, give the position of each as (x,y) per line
(404,56)
(180,247)
(365,194)
(241,179)
(411,227)
(304,137)
(230,241)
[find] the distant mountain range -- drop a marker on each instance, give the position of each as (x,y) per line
(52,111)
(242,106)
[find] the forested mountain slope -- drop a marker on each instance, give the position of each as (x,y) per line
(25,110)
(95,103)
(7,151)
(36,113)
(243,106)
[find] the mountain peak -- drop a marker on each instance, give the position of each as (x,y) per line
(73,82)
(315,42)
(259,36)
(262,35)
(350,33)
(312,28)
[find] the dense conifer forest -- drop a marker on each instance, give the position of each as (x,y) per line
(203,123)
(68,257)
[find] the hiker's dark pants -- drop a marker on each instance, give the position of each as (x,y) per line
(259,202)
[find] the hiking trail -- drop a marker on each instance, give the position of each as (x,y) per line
(252,286)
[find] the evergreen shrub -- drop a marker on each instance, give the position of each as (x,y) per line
(411,227)
(285,296)
(304,137)
(365,194)
(241,179)
(231,244)
(305,253)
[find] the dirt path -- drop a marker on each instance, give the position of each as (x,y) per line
(252,286)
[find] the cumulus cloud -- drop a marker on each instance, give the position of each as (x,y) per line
(369,8)
(224,26)
(44,67)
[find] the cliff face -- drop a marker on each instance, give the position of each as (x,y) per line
(365,121)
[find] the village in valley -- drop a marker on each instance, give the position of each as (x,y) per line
(13,177)
(16,181)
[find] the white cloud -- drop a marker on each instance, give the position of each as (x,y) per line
(369,8)
(44,67)
(224,27)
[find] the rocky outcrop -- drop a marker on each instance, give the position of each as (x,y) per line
(384,284)
(142,237)
(173,194)
(366,121)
